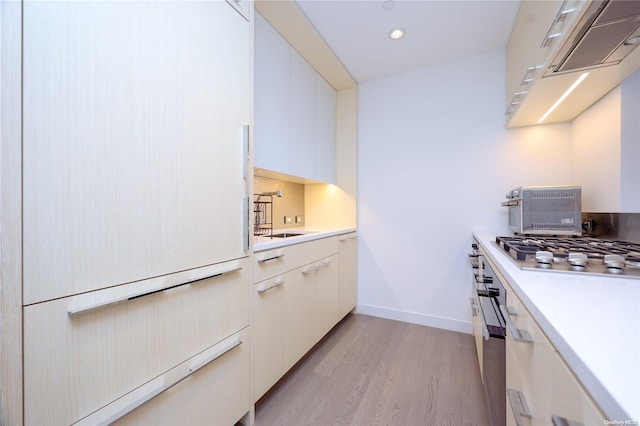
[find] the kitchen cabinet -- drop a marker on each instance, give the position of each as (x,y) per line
(132,141)
(295,304)
(540,385)
(133,209)
(212,387)
(295,111)
(530,48)
(348,272)
(101,345)
(272,56)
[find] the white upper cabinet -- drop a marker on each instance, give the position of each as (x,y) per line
(302,124)
(133,118)
(271,139)
(295,111)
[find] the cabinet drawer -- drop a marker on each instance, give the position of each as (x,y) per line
(270,263)
(83,352)
(210,388)
(518,396)
(571,401)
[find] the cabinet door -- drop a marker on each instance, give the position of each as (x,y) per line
(132,141)
(268,332)
(299,314)
(302,118)
(327,295)
(325,131)
(348,275)
(271,139)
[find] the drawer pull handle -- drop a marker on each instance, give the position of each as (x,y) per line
(274,285)
(518,335)
(279,256)
(519,406)
(107,303)
(307,271)
(474,312)
(352,237)
(214,356)
(161,387)
(561,421)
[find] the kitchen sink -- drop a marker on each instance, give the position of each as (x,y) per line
(287,235)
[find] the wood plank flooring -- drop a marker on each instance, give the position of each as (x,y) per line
(374,371)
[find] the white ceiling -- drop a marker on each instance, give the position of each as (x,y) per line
(437,31)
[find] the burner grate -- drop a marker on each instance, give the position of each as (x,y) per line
(521,247)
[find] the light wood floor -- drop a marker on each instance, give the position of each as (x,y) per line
(374,371)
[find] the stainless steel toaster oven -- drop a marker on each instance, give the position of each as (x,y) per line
(545,210)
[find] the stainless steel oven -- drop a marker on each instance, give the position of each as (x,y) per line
(489,329)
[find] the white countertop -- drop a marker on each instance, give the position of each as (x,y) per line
(266,243)
(594,323)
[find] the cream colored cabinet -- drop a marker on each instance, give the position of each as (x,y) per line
(295,305)
(210,388)
(133,119)
(295,111)
(327,298)
(539,30)
(534,357)
(85,351)
(268,331)
(299,315)
(541,390)
(348,272)
(570,401)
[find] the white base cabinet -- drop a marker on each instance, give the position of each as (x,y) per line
(293,308)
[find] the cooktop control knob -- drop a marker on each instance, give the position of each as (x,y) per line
(614,262)
(544,259)
(578,260)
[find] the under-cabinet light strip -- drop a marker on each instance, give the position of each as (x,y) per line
(564,96)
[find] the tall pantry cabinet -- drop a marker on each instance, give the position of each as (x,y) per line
(135,245)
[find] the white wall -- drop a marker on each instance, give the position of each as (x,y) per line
(596,152)
(434,163)
(606,150)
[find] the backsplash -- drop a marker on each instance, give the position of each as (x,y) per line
(291,204)
(614,226)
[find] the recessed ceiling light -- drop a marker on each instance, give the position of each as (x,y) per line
(396,34)
(388,5)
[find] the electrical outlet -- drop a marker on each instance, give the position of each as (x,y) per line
(298,219)
(287,219)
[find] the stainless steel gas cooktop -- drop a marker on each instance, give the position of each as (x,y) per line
(591,256)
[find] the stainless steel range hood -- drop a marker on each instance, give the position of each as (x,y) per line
(608,31)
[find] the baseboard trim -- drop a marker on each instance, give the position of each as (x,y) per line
(416,318)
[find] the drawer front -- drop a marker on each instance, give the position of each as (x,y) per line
(270,263)
(571,401)
(534,359)
(210,388)
(101,345)
(518,396)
